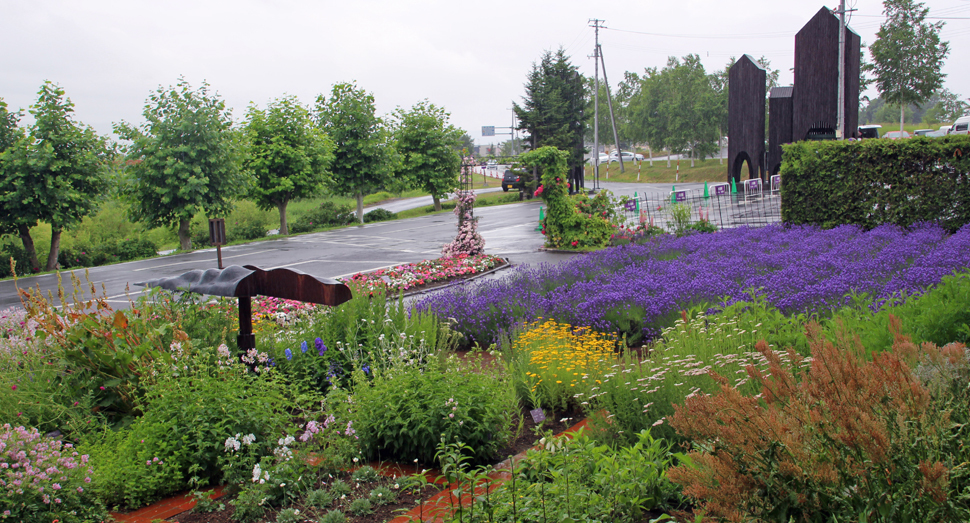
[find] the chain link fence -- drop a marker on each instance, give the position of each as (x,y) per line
(752,205)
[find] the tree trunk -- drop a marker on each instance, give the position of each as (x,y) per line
(693,153)
(185,239)
(55,248)
(284,228)
(31,251)
(360,208)
(650,152)
(437,202)
(902,117)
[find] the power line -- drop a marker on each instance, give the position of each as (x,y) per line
(786,34)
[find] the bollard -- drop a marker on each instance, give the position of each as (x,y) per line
(541,217)
(673,194)
(706,194)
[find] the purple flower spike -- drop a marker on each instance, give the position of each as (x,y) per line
(303,346)
(321,348)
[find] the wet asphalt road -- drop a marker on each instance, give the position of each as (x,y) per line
(508,230)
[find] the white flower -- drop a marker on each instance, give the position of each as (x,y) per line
(248,439)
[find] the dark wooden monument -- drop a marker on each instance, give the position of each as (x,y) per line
(746,118)
(815,95)
(779,125)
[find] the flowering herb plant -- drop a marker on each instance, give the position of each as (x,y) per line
(44,479)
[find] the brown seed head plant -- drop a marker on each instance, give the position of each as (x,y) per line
(847,436)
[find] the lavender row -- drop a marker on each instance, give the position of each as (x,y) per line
(638,289)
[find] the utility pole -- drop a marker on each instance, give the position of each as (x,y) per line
(609,99)
(596,105)
(840,119)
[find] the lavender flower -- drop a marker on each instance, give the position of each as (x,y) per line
(289,354)
(303,346)
(634,288)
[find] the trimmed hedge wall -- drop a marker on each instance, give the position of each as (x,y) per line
(871,182)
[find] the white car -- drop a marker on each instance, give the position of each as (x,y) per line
(603,159)
(627,157)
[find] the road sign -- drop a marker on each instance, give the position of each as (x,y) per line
(488,130)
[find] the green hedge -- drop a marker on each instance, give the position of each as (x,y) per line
(872,182)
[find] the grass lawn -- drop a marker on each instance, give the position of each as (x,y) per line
(709,170)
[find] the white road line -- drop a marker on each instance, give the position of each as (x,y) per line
(197,261)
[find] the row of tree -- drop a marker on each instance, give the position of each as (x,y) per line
(188,156)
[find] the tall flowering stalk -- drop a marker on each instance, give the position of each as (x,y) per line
(468,240)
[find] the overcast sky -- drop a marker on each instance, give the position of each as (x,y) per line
(469,57)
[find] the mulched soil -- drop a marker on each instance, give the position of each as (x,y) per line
(525,439)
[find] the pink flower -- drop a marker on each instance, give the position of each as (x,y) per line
(14,387)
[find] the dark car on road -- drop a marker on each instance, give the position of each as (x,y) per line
(512,180)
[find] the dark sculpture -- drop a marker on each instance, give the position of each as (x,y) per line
(815,95)
(248,281)
(746,118)
(779,125)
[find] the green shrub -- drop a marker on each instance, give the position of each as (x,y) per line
(289,515)
(108,252)
(192,406)
(365,474)
(361,507)
(333,516)
(877,181)
(11,247)
(379,215)
(319,498)
(405,411)
(339,487)
(248,505)
(328,214)
(382,496)
(578,480)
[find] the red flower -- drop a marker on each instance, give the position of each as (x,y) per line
(575,243)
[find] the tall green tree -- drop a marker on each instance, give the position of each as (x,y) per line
(56,173)
(553,108)
(947,107)
(10,132)
(467,145)
(907,55)
(429,149)
(288,155)
(184,159)
(364,158)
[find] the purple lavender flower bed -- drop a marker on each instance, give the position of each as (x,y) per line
(639,289)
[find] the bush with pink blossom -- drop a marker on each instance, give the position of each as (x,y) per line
(44,479)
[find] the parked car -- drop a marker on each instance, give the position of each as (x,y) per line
(922,132)
(895,135)
(961,126)
(869,131)
(937,134)
(512,180)
(628,156)
(604,158)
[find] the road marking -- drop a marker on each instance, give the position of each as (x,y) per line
(197,261)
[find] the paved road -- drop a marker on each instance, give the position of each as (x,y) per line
(508,230)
